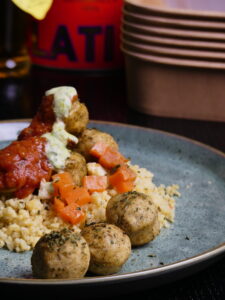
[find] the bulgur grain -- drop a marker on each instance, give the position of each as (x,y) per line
(24,221)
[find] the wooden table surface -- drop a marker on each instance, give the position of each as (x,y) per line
(105,96)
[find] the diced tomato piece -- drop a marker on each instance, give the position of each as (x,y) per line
(95,183)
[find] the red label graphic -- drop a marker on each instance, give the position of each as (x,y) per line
(79,34)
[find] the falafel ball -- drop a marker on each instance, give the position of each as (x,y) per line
(78,118)
(136,214)
(60,254)
(77,167)
(90,137)
(110,247)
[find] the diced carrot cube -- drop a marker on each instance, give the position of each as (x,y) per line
(72,213)
(124,186)
(98,149)
(95,183)
(62,182)
(63,178)
(82,196)
(123,173)
(69,198)
(58,204)
(111,158)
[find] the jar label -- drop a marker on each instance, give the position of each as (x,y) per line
(79,34)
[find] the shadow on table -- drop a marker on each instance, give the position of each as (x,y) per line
(207,284)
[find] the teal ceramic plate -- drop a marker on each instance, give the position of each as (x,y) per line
(194,240)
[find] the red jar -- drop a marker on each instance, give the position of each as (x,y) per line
(79,35)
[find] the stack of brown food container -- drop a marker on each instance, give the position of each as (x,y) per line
(175,57)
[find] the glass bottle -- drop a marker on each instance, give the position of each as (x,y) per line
(14,58)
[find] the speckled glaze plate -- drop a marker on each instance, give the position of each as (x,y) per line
(194,240)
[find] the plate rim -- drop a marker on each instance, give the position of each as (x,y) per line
(146,273)
(114,123)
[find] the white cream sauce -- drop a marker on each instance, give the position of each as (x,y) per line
(62,100)
(58,138)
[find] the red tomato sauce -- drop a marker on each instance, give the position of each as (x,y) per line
(23,164)
(43,120)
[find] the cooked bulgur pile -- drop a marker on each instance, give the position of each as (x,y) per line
(24,221)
